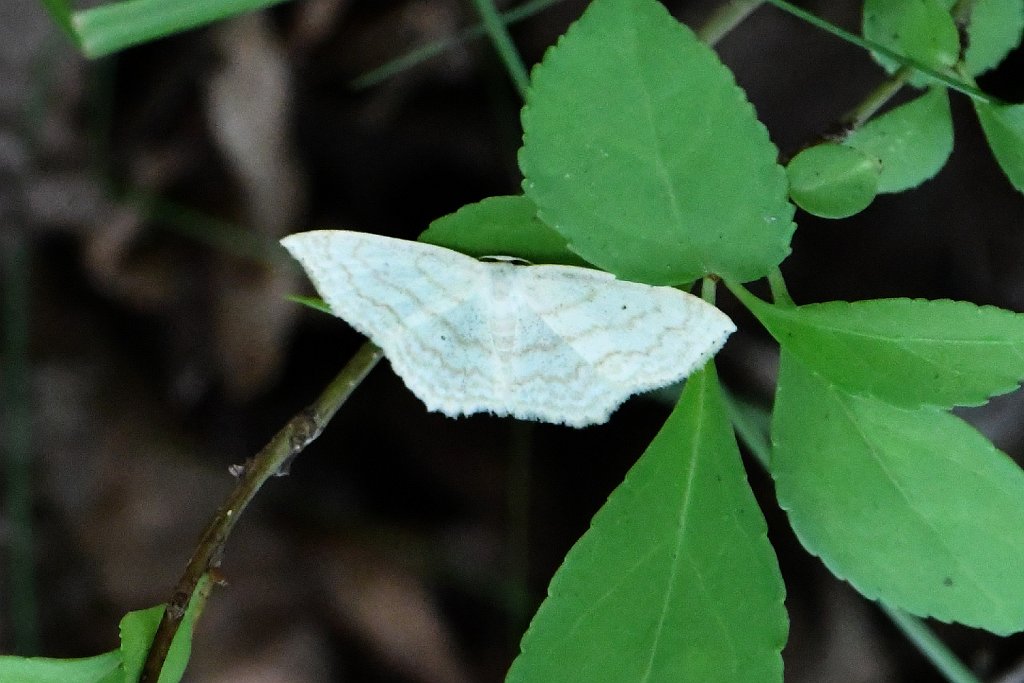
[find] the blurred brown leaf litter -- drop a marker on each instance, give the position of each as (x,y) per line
(404,547)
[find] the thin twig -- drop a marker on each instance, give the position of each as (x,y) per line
(725,19)
(432,49)
(948,79)
(875,100)
(780,293)
(952,669)
(273,459)
(496,29)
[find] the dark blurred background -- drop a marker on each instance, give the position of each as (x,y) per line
(140,197)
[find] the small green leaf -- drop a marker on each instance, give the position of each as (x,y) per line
(642,151)
(675,580)
(994,29)
(1004,128)
(913,507)
(908,352)
(833,181)
(99,669)
(501,226)
(921,29)
(912,141)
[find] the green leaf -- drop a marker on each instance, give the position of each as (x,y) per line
(908,352)
(913,507)
(139,628)
(675,580)
(643,152)
(501,226)
(98,669)
(137,631)
(920,29)
(114,26)
(913,141)
(995,28)
(1004,128)
(833,181)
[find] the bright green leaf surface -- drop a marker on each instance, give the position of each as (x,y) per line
(98,669)
(912,141)
(1004,128)
(642,151)
(994,29)
(904,351)
(501,226)
(833,181)
(675,580)
(117,25)
(922,29)
(137,631)
(913,507)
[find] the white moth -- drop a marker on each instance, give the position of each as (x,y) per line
(552,343)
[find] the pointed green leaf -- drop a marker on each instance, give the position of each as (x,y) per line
(913,507)
(912,141)
(98,669)
(137,631)
(60,12)
(1004,128)
(675,580)
(114,26)
(314,302)
(501,226)
(920,29)
(908,352)
(833,181)
(643,152)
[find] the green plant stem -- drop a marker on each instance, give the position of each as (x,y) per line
(930,646)
(876,99)
(752,425)
(780,293)
(727,17)
(944,78)
(224,236)
(718,25)
(499,35)
(421,54)
(709,289)
(116,25)
(17,446)
(273,459)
